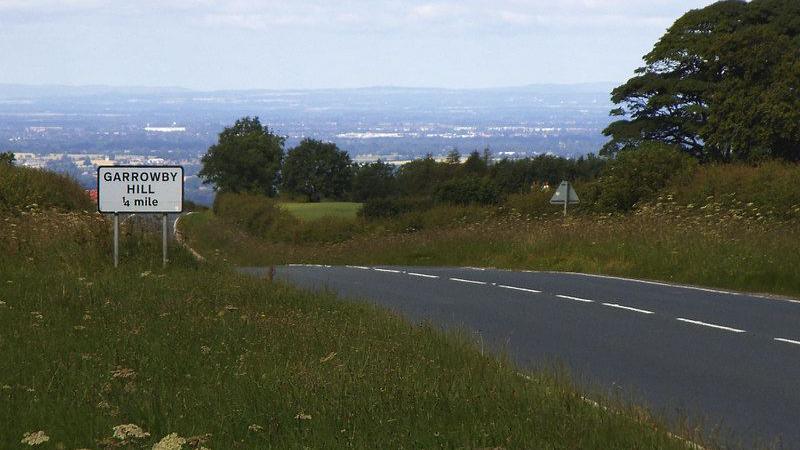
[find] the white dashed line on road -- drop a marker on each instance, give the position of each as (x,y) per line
(461,280)
(585,300)
(533,291)
(386,270)
(788,341)
(423,275)
(711,325)
(357,267)
(628,308)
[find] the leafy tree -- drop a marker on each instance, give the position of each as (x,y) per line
(317,169)
(374,180)
(639,174)
(476,164)
(420,176)
(721,84)
(7,159)
(247,158)
(453,157)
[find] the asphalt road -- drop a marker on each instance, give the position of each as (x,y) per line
(727,360)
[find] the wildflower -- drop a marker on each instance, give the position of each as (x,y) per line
(301,416)
(170,442)
(327,358)
(145,274)
(123,372)
(35,438)
(205,349)
(2,303)
(128,431)
(255,428)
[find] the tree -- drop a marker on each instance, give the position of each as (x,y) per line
(247,158)
(721,84)
(7,159)
(317,169)
(476,164)
(374,180)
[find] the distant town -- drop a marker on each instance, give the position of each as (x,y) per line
(76,130)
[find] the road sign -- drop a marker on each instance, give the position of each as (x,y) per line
(140,189)
(565,195)
(565,191)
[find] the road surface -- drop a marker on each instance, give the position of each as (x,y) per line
(724,359)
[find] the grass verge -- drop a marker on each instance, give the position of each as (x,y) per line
(229,361)
(704,245)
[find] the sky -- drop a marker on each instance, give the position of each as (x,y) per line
(301,44)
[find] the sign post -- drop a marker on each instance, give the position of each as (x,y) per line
(140,189)
(164,235)
(116,240)
(565,195)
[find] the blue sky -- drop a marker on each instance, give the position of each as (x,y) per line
(206,44)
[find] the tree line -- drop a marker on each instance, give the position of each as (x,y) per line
(250,157)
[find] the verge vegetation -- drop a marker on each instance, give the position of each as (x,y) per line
(196,354)
(732,226)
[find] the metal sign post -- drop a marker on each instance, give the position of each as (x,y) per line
(164,235)
(565,195)
(116,240)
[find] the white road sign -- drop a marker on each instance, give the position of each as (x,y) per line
(140,189)
(565,192)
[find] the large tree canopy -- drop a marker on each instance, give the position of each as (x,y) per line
(722,83)
(247,158)
(317,169)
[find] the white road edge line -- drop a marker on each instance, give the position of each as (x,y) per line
(423,275)
(674,285)
(585,300)
(467,281)
(710,325)
(788,341)
(615,305)
(385,270)
(533,291)
(357,267)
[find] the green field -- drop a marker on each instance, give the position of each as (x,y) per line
(313,211)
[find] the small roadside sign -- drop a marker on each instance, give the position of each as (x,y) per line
(140,189)
(565,195)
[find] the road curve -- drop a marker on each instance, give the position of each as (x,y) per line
(728,360)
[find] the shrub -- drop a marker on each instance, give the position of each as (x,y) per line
(464,191)
(392,207)
(21,187)
(638,174)
(769,188)
(255,213)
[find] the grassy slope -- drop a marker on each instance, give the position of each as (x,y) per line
(197,350)
(710,246)
(312,211)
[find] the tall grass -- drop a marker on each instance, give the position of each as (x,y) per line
(22,187)
(229,361)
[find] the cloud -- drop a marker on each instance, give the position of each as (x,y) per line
(360,15)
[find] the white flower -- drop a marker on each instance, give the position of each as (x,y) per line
(35,438)
(170,442)
(129,430)
(301,416)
